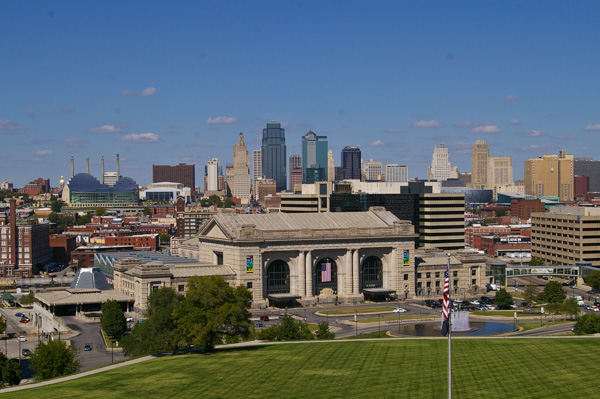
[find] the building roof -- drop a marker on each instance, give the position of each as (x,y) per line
(209,270)
(90,278)
(80,296)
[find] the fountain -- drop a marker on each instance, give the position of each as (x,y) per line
(460,322)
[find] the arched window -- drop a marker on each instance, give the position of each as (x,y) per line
(372,273)
(325,275)
(278,278)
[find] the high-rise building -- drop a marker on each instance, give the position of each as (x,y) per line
(590,168)
(182,173)
(241,171)
(396,173)
(256,169)
(373,170)
(581,186)
(274,156)
(212,175)
(295,163)
(229,180)
(351,162)
(500,172)
(314,156)
(550,175)
(479,164)
(440,164)
(330,166)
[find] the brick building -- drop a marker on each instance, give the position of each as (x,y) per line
(182,173)
(522,208)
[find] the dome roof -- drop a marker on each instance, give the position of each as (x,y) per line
(86,183)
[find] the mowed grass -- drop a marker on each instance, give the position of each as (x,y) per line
(482,368)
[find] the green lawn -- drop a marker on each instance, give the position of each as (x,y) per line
(482,368)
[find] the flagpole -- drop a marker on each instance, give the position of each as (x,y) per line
(449,338)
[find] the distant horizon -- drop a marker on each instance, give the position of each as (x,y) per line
(176,83)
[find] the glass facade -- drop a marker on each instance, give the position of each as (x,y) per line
(274,157)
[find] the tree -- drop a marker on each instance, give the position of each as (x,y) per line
(2,325)
(10,371)
(213,312)
(147,211)
(500,213)
(570,307)
(593,279)
(164,239)
(158,333)
(100,211)
(113,321)
(287,329)
(503,298)
(531,293)
(27,299)
(536,262)
(57,205)
(587,324)
(553,293)
(54,359)
(83,220)
(323,332)
(228,203)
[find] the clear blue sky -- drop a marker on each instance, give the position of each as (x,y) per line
(170,82)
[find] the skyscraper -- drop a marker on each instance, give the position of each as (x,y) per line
(373,170)
(500,172)
(212,175)
(241,171)
(440,164)
(256,169)
(182,173)
(396,173)
(330,166)
(295,163)
(550,175)
(351,162)
(274,157)
(479,164)
(314,156)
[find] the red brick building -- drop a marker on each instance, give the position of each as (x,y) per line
(62,246)
(143,241)
(37,186)
(581,185)
(523,208)
(494,245)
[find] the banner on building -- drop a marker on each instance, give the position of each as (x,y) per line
(326,272)
(250,264)
(406,257)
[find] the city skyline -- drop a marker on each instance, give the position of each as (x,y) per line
(178,83)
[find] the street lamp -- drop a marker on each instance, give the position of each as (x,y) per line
(356,321)
(379,333)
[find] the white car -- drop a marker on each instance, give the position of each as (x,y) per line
(475,302)
(399,310)
(22,338)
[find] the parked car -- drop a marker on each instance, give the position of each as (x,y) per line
(264,318)
(399,310)
(129,319)
(19,315)
(26,352)
(87,347)
(474,301)
(22,338)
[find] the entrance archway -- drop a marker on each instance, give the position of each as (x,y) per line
(325,275)
(372,273)
(278,278)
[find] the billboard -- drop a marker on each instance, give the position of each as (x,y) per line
(406,257)
(250,264)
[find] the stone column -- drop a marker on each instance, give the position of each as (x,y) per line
(341,277)
(348,270)
(355,272)
(301,266)
(308,270)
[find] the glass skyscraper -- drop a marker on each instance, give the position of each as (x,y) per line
(314,156)
(274,158)
(351,160)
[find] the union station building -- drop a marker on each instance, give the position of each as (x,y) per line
(311,258)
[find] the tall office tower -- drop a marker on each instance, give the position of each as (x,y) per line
(241,171)
(590,168)
(229,180)
(550,175)
(182,173)
(500,172)
(373,170)
(479,164)
(351,162)
(314,156)
(212,175)
(396,173)
(296,179)
(274,154)
(330,166)
(295,163)
(440,164)
(256,169)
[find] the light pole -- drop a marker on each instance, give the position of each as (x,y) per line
(379,333)
(304,315)
(356,321)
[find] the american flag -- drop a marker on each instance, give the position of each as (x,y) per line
(446,302)
(325,272)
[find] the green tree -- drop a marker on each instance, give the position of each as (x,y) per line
(27,299)
(228,203)
(213,312)
(500,213)
(323,332)
(287,329)
(113,321)
(531,293)
(164,239)
(54,359)
(83,220)
(553,293)
(158,333)
(147,211)
(10,371)
(587,324)
(536,262)
(100,211)
(570,307)
(57,205)
(2,324)
(593,279)
(503,298)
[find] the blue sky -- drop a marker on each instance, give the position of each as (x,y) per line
(174,82)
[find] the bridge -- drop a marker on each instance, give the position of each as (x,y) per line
(501,271)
